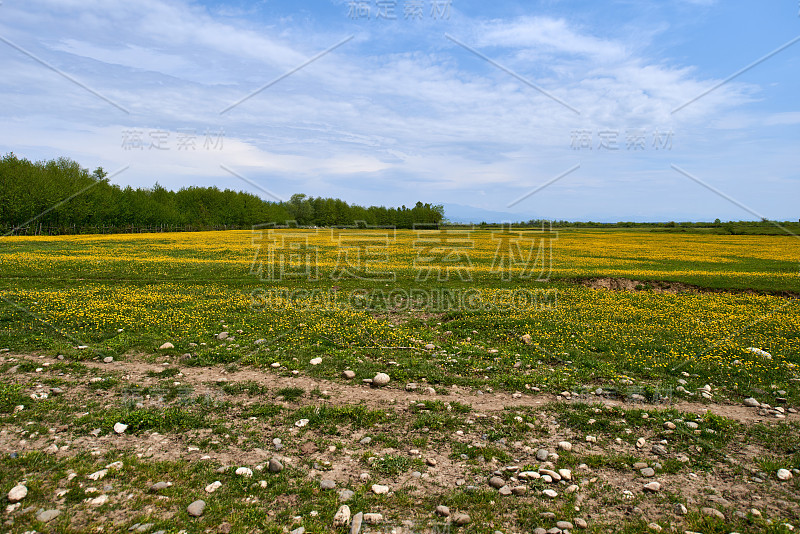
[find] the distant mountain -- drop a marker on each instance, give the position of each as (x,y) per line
(458,213)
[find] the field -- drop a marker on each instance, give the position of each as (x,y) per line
(634,347)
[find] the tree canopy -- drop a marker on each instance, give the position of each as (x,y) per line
(59,194)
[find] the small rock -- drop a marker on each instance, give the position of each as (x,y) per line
(158,486)
(497,482)
(47,515)
(653,487)
(345,495)
(275,466)
(348,374)
(550,493)
(315,361)
(196,508)
(327,484)
(373,519)
(222,336)
(640,443)
(431,462)
(571,489)
(443,510)
(355,526)
(461,519)
(681,509)
(692,425)
(214,486)
(380,380)
(519,490)
(505,491)
(659,450)
(342,517)
(784,474)
(244,472)
(566,474)
(648,472)
(298,530)
(669,425)
(542,454)
(17,493)
(380,489)
(565,445)
(166,346)
(712,512)
(564,525)
(108,359)
(526,338)
(751,402)
(655,527)
(98,475)
(120,428)
(580,522)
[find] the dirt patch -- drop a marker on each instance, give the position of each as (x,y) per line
(626,284)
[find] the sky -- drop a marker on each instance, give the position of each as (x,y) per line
(607,111)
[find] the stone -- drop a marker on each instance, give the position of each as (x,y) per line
(244,472)
(108,359)
(712,512)
(564,525)
(566,474)
(47,515)
(166,346)
(380,380)
(542,454)
(497,482)
(120,428)
(298,530)
(443,510)
(519,490)
(526,338)
(345,495)
(751,402)
(648,472)
(214,486)
(342,517)
(659,450)
(580,522)
(17,493)
(222,336)
(505,491)
(640,443)
(565,445)
(373,518)
(355,526)
(669,425)
(380,489)
(348,374)
(224,528)
(315,361)
(327,484)
(97,475)
(158,486)
(197,508)
(550,493)
(571,489)
(655,527)
(275,466)
(692,425)
(461,519)
(431,462)
(681,509)
(653,487)
(784,474)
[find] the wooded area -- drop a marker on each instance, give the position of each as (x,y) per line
(59,196)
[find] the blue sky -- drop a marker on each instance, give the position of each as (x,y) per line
(464,102)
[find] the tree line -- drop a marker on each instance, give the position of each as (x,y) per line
(62,197)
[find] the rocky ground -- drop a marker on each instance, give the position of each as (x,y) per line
(147,444)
